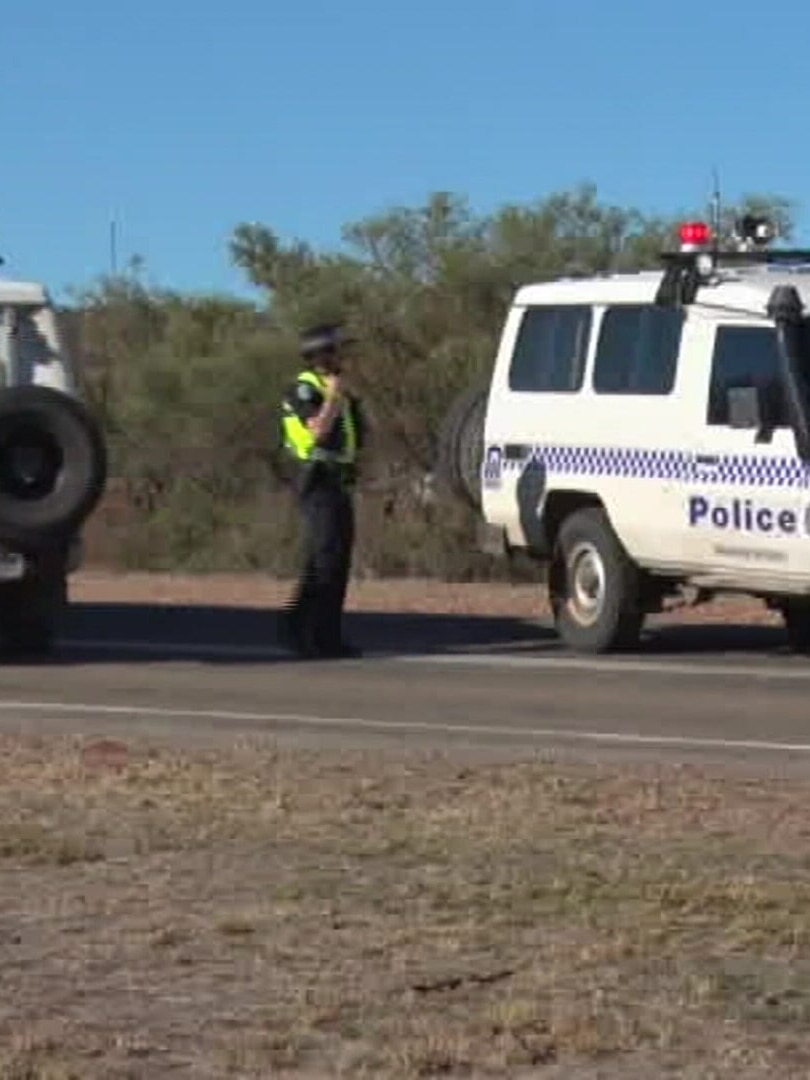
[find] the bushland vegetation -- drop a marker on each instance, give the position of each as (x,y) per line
(188,385)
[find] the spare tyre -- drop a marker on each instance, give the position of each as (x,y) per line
(461,445)
(53,465)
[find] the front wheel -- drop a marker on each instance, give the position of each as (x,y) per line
(594,586)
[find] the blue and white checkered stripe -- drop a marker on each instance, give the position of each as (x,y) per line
(753,470)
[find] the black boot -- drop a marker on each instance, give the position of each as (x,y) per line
(343,650)
(294,634)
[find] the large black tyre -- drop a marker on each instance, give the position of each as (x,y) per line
(461,445)
(594,586)
(31,612)
(53,465)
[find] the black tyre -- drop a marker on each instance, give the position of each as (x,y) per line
(53,465)
(796,616)
(594,586)
(461,445)
(31,613)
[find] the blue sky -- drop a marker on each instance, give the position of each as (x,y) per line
(180,119)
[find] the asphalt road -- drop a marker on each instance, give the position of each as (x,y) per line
(483,685)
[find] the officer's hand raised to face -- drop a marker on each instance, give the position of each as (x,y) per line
(333,384)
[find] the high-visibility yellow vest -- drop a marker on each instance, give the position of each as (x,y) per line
(299,440)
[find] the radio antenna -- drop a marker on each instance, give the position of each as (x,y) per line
(717,209)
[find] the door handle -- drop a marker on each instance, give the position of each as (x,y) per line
(708,459)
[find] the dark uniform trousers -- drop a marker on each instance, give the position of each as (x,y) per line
(327,509)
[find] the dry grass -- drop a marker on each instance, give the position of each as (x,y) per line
(254,913)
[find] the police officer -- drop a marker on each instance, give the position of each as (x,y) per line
(322,431)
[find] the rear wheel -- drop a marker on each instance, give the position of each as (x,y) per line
(53,466)
(461,445)
(594,586)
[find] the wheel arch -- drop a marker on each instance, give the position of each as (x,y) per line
(559,504)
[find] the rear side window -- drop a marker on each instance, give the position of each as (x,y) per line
(745,356)
(550,350)
(33,346)
(638,350)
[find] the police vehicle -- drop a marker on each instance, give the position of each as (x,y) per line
(52,468)
(646,436)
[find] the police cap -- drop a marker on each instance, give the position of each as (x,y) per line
(322,338)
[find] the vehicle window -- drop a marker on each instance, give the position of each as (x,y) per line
(745,356)
(31,342)
(550,350)
(638,350)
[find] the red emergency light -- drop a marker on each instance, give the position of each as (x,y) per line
(695,234)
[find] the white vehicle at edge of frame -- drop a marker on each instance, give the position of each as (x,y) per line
(645,437)
(52,468)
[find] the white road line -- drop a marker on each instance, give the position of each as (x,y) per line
(584,663)
(761,671)
(368,724)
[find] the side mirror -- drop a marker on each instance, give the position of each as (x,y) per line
(747,408)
